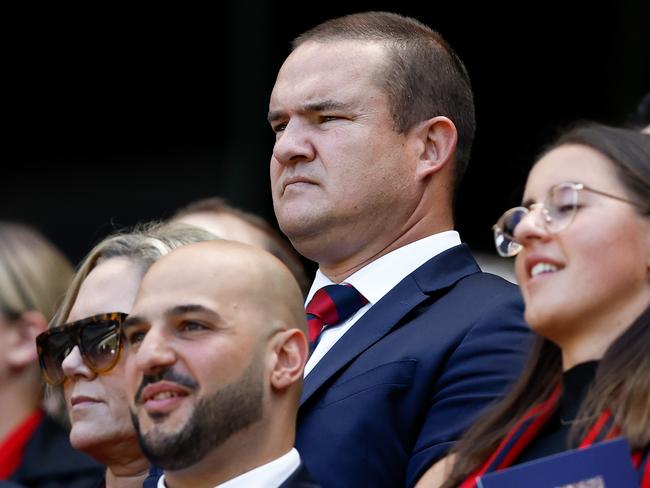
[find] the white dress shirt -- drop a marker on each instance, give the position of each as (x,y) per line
(375,280)
(269,475)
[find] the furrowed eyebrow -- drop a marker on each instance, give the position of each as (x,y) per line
(528,202)
(274,115)
(135,320)
(324,105)
(131,321)
(183,309)
(321,106)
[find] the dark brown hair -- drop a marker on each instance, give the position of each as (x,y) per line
(424,77)
(622,381)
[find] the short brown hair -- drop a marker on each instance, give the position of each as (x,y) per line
(424,78)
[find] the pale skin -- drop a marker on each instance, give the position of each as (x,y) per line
(20,378)
(97,403)
(207,310)
(347,188)
(599,287)
(601,283)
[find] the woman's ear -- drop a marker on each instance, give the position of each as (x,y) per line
(22,337)
(438,138)
(291,351)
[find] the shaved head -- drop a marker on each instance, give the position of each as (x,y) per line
(216,349)
(251,277)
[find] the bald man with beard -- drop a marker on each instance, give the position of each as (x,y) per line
(216,349)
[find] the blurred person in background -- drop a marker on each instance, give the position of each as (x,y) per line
(34,449)
(582,241)
(228,222)
(82,349)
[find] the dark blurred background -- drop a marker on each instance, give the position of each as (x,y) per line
(114,116)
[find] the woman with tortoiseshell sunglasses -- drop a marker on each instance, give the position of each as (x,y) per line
(81,351)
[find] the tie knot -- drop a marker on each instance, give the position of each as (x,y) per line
(332,305)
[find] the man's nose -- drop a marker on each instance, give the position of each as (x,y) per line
(154,353)
(294,144)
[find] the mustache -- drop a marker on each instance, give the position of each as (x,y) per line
(168,374)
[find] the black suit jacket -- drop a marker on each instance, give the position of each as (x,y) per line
(400,386)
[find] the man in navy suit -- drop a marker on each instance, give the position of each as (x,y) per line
(215,356)
(374,120)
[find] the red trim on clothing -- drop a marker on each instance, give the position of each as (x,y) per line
(13,446)
(603,429)
(543,411)
(594,432)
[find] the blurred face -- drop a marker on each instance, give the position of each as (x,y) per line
(97,403)
(590,278)
(195,365)
(227,226)
(339,172)
(4,347)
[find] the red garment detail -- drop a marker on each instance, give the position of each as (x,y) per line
(543,412)
(324,311)
(13,446)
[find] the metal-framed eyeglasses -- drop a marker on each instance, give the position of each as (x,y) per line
(555,214)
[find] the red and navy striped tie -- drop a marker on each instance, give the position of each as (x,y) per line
(332,305)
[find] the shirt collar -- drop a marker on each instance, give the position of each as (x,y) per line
(269,475)
(377,278)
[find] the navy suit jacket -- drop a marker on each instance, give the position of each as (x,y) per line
(398,388)
(300,478)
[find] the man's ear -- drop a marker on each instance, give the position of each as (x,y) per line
(22,352)
(438,137)
(291,351)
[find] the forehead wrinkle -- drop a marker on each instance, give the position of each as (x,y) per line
(133,320)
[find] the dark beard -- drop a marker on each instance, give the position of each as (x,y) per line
(214,420)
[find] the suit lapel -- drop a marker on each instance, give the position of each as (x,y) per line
(440,272)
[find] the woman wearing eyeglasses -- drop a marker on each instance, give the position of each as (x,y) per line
(582,241)
(83,351)
(34,448)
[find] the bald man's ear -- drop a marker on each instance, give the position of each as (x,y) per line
(291,351)
(437,145)
(22,352)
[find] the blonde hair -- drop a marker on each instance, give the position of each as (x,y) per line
(144,244)
(34,274)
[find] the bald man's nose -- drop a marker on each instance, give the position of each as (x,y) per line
(154,353)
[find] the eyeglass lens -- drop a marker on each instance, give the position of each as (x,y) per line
(557,213)
(98,340)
